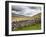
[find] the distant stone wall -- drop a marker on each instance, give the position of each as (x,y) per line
(18,24)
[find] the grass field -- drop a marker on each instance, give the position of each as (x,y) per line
(36,26)
(31,27)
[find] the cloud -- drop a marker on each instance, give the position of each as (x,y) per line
(25,10)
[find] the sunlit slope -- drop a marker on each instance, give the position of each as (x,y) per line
(22,18)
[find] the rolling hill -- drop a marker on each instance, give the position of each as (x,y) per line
(22,18)
(22,21)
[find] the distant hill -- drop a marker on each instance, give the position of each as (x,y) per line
(20,22)
(22,18)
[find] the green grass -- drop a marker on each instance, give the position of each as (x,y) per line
(36,26)
(31,27)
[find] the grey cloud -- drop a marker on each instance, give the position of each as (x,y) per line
(25,10)
(34,7)
(17,8)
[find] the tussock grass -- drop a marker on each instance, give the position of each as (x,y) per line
(35,26)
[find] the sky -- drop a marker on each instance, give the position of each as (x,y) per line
(25,10)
